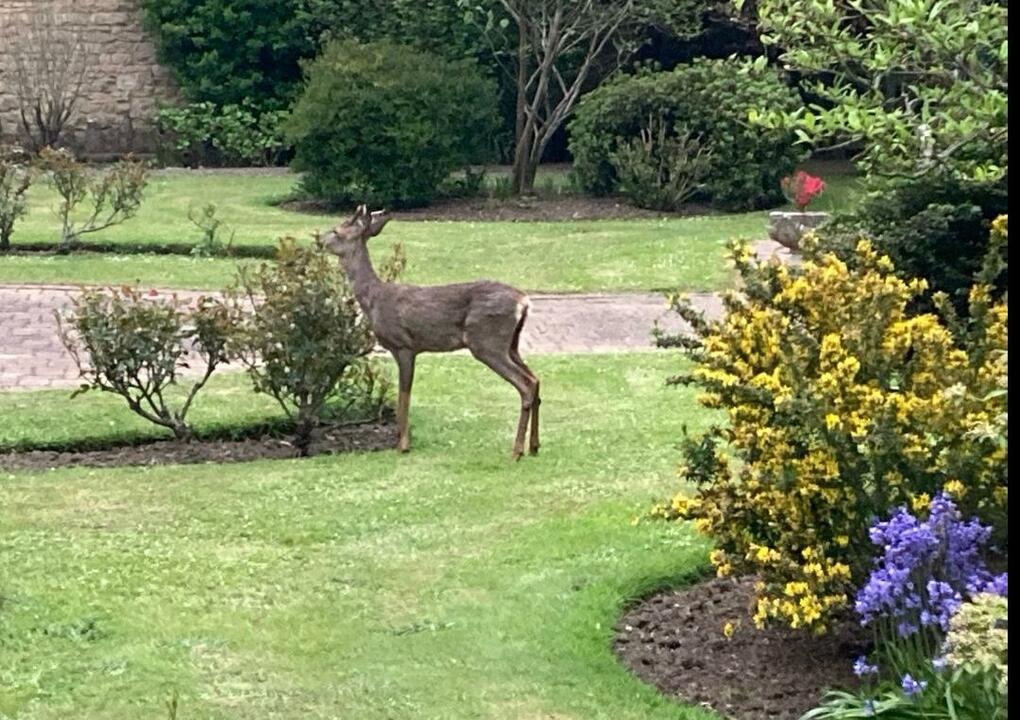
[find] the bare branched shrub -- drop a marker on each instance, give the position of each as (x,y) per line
(107,197)
(52,63)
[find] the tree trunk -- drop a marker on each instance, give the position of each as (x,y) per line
(524,168)
(523,180)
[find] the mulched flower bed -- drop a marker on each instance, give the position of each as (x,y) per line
(350,438)
(675,641)
(551,208)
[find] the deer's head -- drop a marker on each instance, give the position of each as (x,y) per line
(351,235)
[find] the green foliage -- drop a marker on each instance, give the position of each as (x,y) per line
(15,179)
(301,332)
(970,681)
(710,100)
(211,243)
(661,171)
(922,84)
(135,346)
(385,124)
(978,640)
(204,134)
(934,227)
(231,51)
(842,404)
(110,196)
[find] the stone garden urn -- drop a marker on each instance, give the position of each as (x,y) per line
(787,227)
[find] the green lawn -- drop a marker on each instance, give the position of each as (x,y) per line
(447,583)
(552,256)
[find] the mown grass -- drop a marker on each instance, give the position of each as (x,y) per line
(447,583)
(615,255)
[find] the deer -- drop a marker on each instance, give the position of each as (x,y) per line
(484,317)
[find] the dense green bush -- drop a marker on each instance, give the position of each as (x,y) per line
(710,101)
(384,124)
(230,51)
(303,337)
(204,134)
(934,227)
(136,345)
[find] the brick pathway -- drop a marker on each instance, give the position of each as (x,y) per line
(31,355)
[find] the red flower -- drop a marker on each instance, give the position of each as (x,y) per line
(802,188)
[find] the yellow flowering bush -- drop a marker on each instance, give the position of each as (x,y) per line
(841,405)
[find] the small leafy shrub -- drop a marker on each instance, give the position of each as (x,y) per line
(302,333)
(135,346)
(15,179)
(384,124)
(91,201)
(211,243)
(661,169)
(934,227)
(934,607)
(841,405)
(710,100)
(801,188)
(204,134)
(978,640)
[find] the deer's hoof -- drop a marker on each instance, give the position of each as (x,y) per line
(533,451)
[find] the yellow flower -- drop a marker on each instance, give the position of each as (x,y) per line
(832,421)
(842,540)
(728,629)
(955,489)
(921,502)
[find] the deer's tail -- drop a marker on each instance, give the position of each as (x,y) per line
(522,314)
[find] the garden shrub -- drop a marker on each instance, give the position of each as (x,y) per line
(661,169)
(934,227)
(230,51)
(135,345)
(204,134)
(15,179)
(211,243)
(301,334)
(384,124)
(108,196)
(841,405)
(710,100)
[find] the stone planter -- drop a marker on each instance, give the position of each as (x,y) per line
(788,227)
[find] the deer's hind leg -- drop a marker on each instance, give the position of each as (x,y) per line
(533,443)
(503,365)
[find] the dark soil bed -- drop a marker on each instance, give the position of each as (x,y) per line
(349,438)
(675,641)
(551,208)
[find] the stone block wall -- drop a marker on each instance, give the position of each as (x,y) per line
(124,82)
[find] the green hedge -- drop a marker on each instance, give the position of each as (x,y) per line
(385,124)
(711,100)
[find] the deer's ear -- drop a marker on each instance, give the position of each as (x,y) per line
(378,221)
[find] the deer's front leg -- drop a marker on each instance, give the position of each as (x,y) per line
(405,362)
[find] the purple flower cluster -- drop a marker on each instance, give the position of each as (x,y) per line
(925,568)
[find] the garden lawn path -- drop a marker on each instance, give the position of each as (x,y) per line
(32,356)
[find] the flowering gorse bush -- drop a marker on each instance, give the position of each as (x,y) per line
(801,188)
(841,406)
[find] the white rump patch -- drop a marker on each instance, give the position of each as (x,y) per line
(523,305)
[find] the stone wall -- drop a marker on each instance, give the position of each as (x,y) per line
(124,81)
